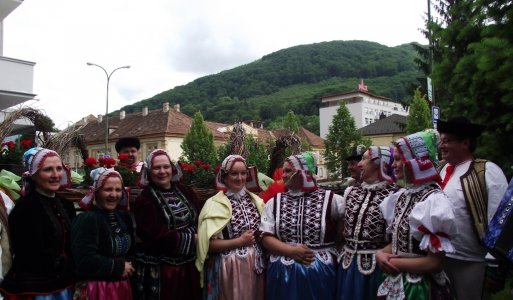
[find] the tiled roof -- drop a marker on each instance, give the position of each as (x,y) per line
(175,124)
(155,123)
(391,124)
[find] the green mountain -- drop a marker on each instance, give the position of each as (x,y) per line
(294,79)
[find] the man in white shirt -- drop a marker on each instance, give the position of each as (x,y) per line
(475,188)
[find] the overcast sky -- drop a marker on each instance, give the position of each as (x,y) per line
(172,42)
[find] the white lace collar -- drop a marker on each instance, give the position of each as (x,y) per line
(416,188)
(374,186)
(236,195)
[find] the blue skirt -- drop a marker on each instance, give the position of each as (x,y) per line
(297,281)
(353,285)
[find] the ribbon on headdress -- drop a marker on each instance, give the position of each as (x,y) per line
(9,183)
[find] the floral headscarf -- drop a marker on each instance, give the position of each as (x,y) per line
(226,166)
(386,158)
(419,154)
(304,164)
(33,160)
(144,176)
(99,177)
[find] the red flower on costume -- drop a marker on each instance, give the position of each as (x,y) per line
(206,167)
(217,169)
(198,163)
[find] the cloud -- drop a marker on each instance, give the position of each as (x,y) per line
(170,43)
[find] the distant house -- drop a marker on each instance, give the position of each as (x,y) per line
(366,108)
(165,129)
(16,76)
(385,131)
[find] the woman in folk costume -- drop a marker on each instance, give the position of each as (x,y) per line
(102,241)
(298,228)
(166,214)
(229,258)
(420,219)
(40,224)
(364,226)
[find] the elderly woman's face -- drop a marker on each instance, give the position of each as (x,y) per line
(235,179)
(107,197)
(49,176)
(161,171)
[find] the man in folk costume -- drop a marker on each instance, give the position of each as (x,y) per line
(475,188)
(364,226)
(128,152)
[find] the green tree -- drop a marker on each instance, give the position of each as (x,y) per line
(342,135)
(419,117)
(198,143)
(291,122)
(472,70)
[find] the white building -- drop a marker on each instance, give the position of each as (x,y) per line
(16,76)
(365,107)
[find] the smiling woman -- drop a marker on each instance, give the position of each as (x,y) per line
(40,226)
(102,241)
(166,214)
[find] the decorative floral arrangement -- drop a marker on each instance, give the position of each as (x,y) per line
(199,174)
(90,163)
(12,152)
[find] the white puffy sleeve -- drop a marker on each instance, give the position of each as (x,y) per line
(338,206)
(496,185)
(432,223)
(268,220)
(387,207)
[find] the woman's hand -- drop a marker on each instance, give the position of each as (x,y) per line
(302,254)
(129,270)
(383,259)
(246,239)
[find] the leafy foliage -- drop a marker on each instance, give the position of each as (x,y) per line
(198,143)
(258,154)
(472,70)
(419,117)
(294,79)
(342,135)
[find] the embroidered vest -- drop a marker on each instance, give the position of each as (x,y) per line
(473,184)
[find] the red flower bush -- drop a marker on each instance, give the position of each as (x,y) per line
(12,152)
(107,162)
(90,162)
(199,175)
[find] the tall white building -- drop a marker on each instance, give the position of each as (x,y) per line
(16,75)
(365,107)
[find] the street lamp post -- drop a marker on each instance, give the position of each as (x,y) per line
(107,101)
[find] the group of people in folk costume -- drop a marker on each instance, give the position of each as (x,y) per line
(409,231)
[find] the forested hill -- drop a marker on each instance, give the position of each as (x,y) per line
(294,79)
